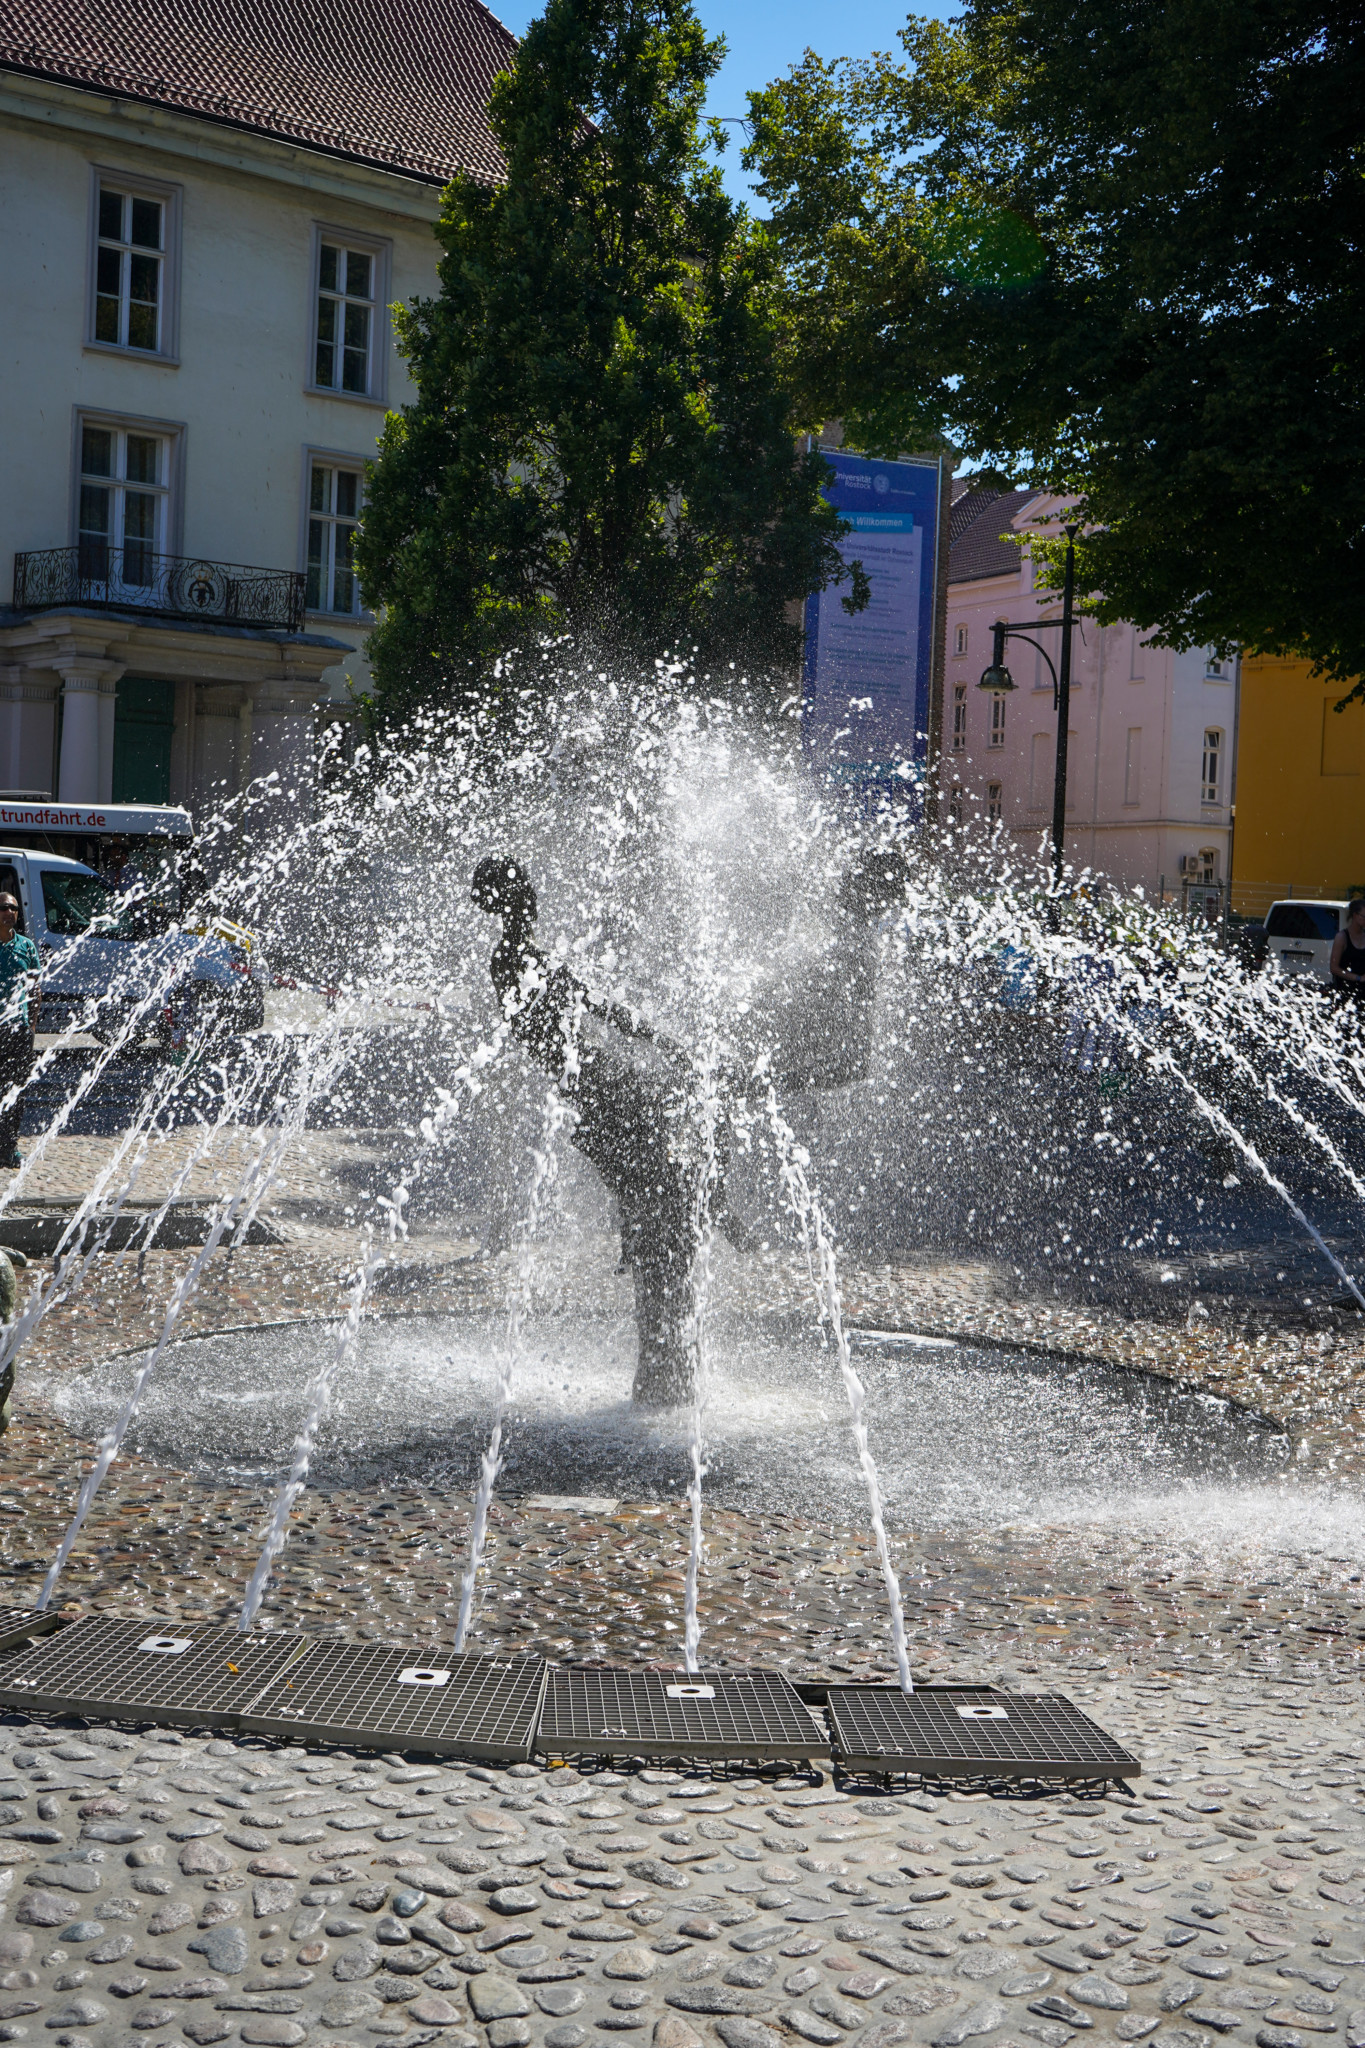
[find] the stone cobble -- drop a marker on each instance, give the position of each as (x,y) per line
(187,1888)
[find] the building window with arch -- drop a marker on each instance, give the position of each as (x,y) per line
(1212,773)
(959,640)
(997,721)
(959,718)
(994,802)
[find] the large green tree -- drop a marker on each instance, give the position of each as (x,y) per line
(604,441)
(1114,248)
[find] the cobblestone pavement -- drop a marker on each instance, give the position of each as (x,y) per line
(187,1890)
(182,1889)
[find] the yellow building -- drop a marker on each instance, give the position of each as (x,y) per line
(1300,825)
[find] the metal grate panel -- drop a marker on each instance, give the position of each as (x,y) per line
(971,1733)
(19,1625)
(184,1675)
(424,1698)
(736,1714)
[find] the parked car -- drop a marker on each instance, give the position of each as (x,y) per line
(105,951)
(1299,935)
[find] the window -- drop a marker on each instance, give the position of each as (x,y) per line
(1217,669)
(1132,766)
(959,717)
(997,721)
(334,496)
(1302,921)
(1212,781)
(959,640)
(343,354)
(955,806)
(994,799)
(1135,662)
(134,246)
(121,523)
(73,903)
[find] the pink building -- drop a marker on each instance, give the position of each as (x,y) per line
(1151,734)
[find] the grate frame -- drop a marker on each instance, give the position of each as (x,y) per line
(753,1716)
(102,1670)
(484,1707)
(881,1731)
(20,1625)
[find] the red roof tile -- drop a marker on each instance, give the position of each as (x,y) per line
(979,520)
(398,83)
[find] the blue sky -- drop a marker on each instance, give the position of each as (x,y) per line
(766,37)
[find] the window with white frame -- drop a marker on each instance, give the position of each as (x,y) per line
(123,505)
(959,718)
(997,721)
(960,640)
(131,241)
(344,325)
(995,797)
(1212,777)
(334,499)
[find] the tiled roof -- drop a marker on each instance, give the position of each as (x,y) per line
(975,547)
(402,84)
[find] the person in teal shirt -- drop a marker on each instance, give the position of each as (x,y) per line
(20,1001)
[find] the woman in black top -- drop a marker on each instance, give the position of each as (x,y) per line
(1348,951)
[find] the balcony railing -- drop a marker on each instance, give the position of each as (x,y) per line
(132,578)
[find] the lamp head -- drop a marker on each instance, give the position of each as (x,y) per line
(997,680)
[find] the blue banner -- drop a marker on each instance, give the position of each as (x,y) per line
(867,674)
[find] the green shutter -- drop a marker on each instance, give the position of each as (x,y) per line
(144,719)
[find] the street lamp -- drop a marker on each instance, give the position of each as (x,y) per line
(997,681)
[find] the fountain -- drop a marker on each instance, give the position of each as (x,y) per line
(785,1037)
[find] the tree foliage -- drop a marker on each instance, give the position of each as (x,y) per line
(1114,249)
(603,441)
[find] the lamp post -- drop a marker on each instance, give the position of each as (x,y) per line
(997,680)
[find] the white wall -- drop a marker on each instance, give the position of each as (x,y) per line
(1119,685)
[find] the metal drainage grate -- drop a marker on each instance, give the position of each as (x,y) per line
(422,1698)
(19,1625)
(735,1714)
(186,1676)
(971,1733)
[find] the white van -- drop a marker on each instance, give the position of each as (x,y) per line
(107,951)
(1300,932)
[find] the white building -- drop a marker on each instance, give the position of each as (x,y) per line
(205,214)
(1151,733)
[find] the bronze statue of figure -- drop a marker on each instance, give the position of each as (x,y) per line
(628,1086)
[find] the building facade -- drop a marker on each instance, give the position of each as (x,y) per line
(1152,733)
(207,215)
(1300,785)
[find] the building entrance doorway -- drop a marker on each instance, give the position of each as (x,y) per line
(144,719)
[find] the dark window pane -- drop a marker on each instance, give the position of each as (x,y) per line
(354,375)
(146,223)
(357,275)
(94,509)
(320,495)
(111,215)
(97,452)
(327,319)
(343,591)
(142,460)
(317,555)
(327,271)
(1301,921)
(138,563)
(358,327)
(141,326)
(325,374)
(106,320)
(144,278)
(348,493)
(109,271)
(139,516)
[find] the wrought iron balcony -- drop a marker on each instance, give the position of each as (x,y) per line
(132,578)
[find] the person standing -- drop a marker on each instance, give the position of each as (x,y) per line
(1347,963)
(20,1000)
